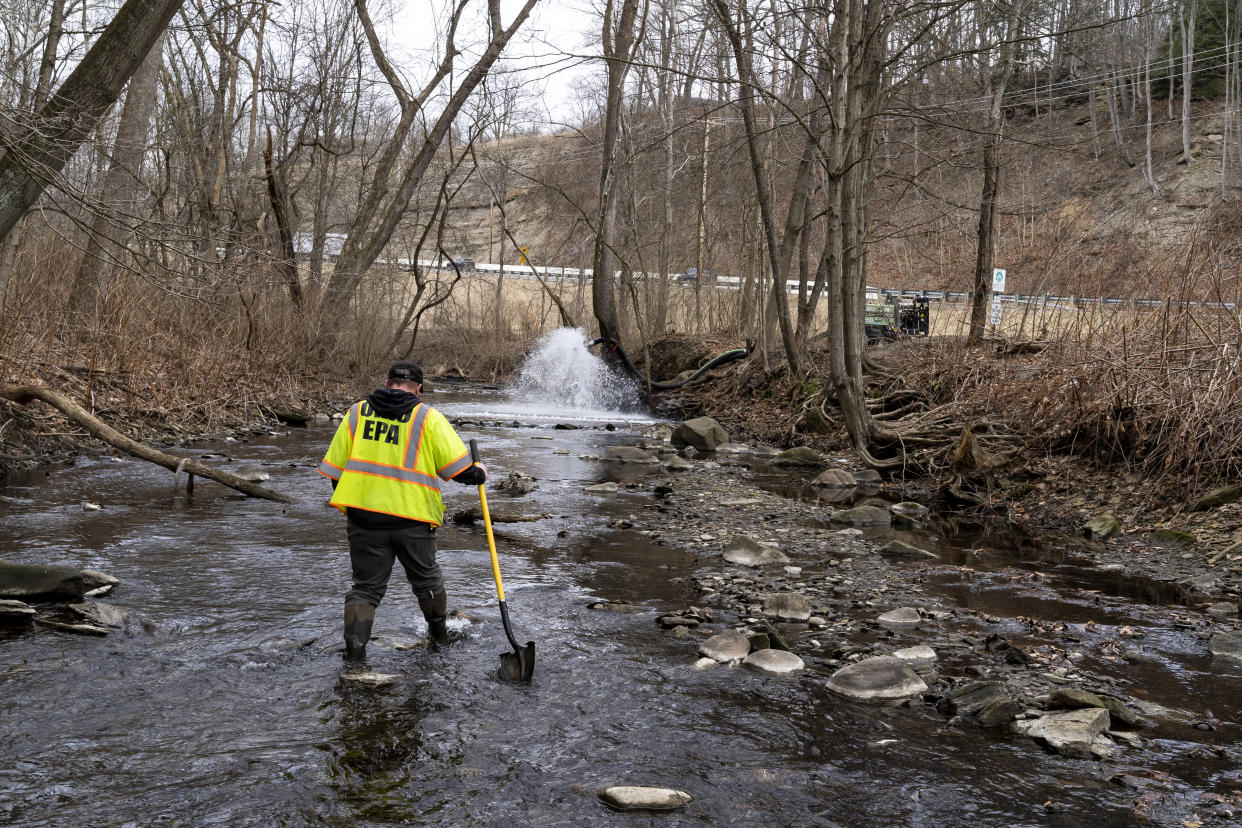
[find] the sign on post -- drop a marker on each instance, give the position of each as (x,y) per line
(994,318)
(998,280)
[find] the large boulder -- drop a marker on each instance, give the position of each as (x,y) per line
(19,580)
(880,679)
(702,433)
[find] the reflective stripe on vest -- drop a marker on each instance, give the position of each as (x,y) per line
(393,473)
(456,467)
(416,437)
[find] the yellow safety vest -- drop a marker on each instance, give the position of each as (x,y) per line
(394,466)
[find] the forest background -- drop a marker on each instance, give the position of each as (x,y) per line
(252,209)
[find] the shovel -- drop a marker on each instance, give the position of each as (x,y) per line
(518,665)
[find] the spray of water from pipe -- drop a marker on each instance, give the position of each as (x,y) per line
(562,372)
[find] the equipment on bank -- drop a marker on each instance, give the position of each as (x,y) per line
(895,317)
(518,665)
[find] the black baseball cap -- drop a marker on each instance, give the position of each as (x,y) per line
(405,371)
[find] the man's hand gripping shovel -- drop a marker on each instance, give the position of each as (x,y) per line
(518,665)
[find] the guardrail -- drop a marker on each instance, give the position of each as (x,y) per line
(564,274)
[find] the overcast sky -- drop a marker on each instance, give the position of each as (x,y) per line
(549,51)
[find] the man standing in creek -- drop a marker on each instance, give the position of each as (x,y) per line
(386,462)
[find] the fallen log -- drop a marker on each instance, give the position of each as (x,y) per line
(23,394)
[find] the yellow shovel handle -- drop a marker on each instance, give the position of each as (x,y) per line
(487,524)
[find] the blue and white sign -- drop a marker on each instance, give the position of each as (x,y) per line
(998,280)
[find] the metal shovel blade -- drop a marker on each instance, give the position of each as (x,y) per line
(518,665)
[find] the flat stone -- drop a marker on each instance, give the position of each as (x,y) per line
(96,612)
(633,797)
(835,479)
(1071,733)
(1118,712)
(1224,609)
(868,476)
(629,454)
(677,463)
(20,580)
(1218,497)
(787,606)
(16,612)
(1073,698)
(369,678)
(901,549)
(919,654)
(774,662)
(617,606)
(81,629)
(603,488)
(880,678)
(863,516)
(730,645)
(733,448)
(94,580)
(901,617)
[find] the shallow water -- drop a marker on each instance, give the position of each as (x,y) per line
(222,704)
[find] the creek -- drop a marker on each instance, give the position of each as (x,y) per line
(222,704)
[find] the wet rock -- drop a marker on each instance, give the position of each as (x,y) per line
(93,580)
(369,678)
(773,662)
(252,473)
(909,512)
(727,646)
(1118,712)
(970,699)
(1223,610)
(633,797)
(759,641)
(629,454)
(733,448)
(863,516)
(516,484)
(788,606)
(677,463)
(97,612)
(1072,733)
(920,654)
(1218,497)
(799,456)
(835,479)
(87,506)
(880,678)
(901,549)
(868,477)
(746,551)
(1073,698)
(702,433)
(1226,645)
(1101,527)
(998,712)
(19,580)
(1206,584)
(901,617)
(80,629)
(603,488)
(671,621)
(704,663)
(13,613)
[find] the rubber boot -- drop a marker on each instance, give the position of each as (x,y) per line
(358,620)
(435,610)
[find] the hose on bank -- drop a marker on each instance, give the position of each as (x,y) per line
(726,357)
